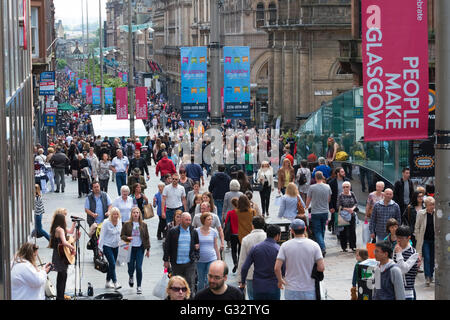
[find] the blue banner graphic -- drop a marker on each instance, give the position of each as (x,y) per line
(96,96)
(108,96)
(236,67)
(47,83)
(83,87)
(194,83)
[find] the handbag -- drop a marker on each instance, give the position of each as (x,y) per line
(227,230)
(340,221)
(160,288)
(148,211)
(101,264)
(50,290)
(300,208)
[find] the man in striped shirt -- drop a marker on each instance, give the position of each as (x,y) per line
(407,259)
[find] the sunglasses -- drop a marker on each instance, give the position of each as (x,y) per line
(178,289)
(345,187)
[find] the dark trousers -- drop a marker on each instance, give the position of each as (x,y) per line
(104,185)
(265,200)
(83,186)
(136,260)
(61,279)
(188,271)
(235,248)
(273,294)
(111,256)
(348,235)
(161,226)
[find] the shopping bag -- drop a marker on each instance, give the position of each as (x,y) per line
(160,288)
(365,233)
(278,200)
(148,211)
(124,253)
(371,249)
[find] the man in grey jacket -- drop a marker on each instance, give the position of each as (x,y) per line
(59,162)
(381,213)
(388,276)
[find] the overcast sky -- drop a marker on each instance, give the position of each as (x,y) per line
(70,11)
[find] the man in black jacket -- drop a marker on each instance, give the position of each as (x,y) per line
(59,163)
(138,162)
(403,190)
(218,186)
(336,188)
(181,250)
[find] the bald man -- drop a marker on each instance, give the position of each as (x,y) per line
(218,289)
(383,210)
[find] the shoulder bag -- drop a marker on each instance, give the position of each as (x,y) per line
(50,290)
(148,211)
(300,208)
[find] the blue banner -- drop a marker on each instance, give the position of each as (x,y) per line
(83,87)
(194,83)
(50,120)
(125,77)
(47,83)
(109,96)
(96,96)
(236,67)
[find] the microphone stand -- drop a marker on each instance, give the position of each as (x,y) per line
(78,257)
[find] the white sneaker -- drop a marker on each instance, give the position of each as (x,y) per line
(117,286)
(109,285)
(139,290)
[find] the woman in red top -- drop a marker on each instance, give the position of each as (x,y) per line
(234,232)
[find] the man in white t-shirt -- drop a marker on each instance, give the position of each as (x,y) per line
(299,256)
(173,199)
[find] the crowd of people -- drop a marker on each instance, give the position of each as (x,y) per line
(195,227)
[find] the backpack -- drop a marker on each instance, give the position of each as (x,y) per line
(129,150)
(302,179)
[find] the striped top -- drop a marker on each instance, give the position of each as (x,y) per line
(407,262)
(184,246)
(38,206)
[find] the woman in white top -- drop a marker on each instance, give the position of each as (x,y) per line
(124,203)
(265,177)
(27,279)
(108,245)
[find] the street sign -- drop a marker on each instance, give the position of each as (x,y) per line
(50,120)
(47,83)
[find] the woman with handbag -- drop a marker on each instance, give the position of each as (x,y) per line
(346,225)
(135,231)
(108,245)
(27,279)
(291,203)
(265,178)
(58,232)
(139,198)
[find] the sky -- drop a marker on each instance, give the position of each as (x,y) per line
(69,11)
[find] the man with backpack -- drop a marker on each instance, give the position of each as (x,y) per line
(129,149)
(303,179)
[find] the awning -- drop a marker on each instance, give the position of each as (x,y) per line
(108,126)
(66,107)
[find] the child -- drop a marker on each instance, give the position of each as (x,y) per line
(361,255)
(157,201)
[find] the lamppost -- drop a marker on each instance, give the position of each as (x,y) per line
(130,72)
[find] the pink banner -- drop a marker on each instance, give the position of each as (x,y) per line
(122,103)
(141,103)
(80,84)
(89,94)
(395,69)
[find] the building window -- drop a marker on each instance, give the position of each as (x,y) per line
(35,32)
(259,15)
(272,14)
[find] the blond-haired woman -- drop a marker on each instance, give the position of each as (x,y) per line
(135,231)
(178,289)
(289,203)
(27,279)
(48,168)
(286,174)
(209,250)
(265,177)
(108,245)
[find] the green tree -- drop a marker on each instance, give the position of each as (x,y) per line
(61,64)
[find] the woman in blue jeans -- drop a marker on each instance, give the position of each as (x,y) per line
(109,245)
(135,231)
(209,250)
(39,210)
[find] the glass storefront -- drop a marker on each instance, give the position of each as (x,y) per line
(16,144)
(342,118)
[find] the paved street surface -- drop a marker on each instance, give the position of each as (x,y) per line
(338,265)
